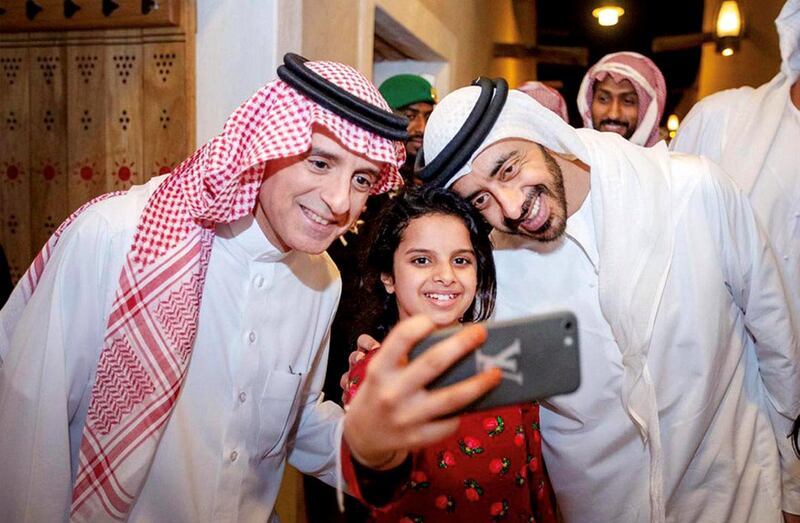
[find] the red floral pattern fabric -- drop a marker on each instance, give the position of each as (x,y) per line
(490,470)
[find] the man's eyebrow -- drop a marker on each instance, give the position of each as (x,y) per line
(371,170)
(603,90)
(500,161)
(324,153)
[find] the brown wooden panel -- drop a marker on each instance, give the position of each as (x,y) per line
(48,154)
(59,15)
(14,158)
(166,111)
(124,130)
(85,123)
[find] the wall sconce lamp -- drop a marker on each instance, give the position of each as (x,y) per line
(729,28)
(673,122)
(608,13)
(728,33)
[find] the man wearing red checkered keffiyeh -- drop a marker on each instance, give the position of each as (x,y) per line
(624,93)
(220,263)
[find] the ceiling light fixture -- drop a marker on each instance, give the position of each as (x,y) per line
(608,13)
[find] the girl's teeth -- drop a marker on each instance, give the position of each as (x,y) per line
(441,297)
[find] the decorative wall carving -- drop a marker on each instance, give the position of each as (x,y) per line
(86,112)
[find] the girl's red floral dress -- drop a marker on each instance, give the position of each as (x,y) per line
(490,470)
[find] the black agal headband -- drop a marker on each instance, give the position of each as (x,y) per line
(337,100)
(471,135)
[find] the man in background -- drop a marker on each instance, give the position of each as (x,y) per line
(754,134)
(624,93)
(412,96)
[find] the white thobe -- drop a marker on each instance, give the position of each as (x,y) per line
(249,402)
(775,190)
(714,385)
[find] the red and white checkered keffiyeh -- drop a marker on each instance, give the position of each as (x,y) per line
(153,320)
(646,78)
(547,96)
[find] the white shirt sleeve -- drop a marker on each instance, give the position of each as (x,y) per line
(770,317)
(45,377)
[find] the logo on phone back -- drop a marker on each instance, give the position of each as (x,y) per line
(505,360)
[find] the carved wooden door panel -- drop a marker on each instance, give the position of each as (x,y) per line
(87,112)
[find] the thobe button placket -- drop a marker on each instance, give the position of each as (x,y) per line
(242,397)
(258,281)
(251,336)
(234,456)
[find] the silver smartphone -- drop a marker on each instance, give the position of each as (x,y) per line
(538,356)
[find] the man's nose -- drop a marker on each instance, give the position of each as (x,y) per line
(510,202)
(336,194)
(416,125)
(614,109)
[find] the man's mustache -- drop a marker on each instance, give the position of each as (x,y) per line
(513,223)
(609,121)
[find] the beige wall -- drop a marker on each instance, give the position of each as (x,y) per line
(331,30)
(507,29)
(340,30)
(479,24)
(757,61)
(467,20)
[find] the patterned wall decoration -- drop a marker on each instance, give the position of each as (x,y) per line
(70,15)
(48,158)
(15,166)
(87,112)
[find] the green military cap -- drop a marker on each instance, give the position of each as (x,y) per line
(406,89)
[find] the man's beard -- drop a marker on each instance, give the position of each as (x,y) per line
(556,224)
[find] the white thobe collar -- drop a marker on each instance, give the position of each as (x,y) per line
(247,237)
(580,231)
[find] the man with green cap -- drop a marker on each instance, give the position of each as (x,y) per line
(412,96)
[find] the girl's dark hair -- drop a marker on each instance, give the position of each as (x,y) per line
(378,309)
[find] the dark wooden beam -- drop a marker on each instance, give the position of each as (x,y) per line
(548,54)
(680,42)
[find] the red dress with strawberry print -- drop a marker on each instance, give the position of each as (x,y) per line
(490,470)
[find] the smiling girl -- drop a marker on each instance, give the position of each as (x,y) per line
(430,254)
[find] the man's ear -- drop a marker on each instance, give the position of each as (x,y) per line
(388,282)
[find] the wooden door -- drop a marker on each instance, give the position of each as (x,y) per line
(89,111)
